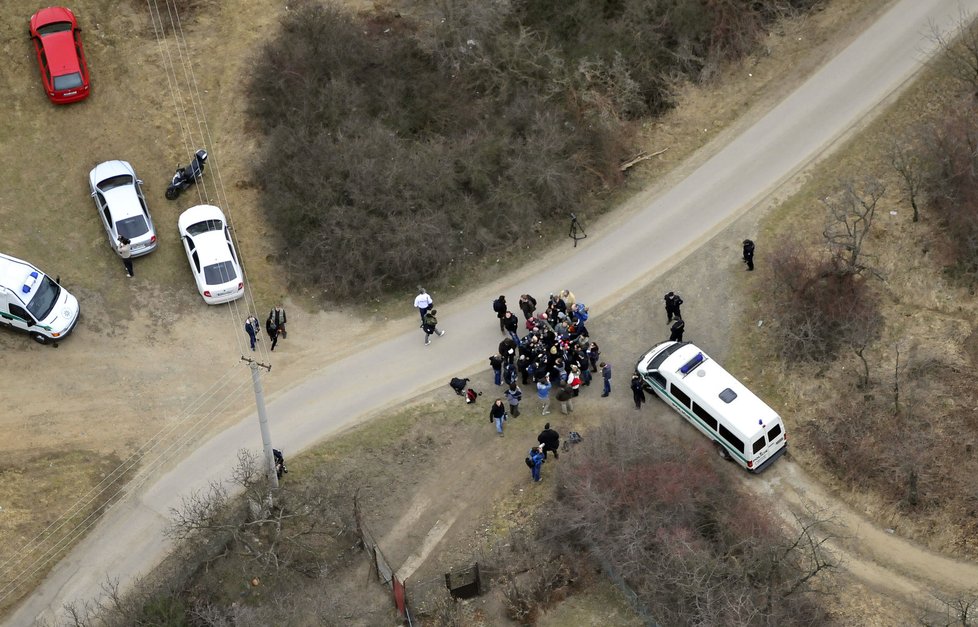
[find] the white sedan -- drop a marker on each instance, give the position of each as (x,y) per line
(119,199)
(213,260)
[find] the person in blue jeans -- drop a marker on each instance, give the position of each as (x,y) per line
(536,458)
(497,414)
(251,328)
(496,362)
(606,375)
(543,391)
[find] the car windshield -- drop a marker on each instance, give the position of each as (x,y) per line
(133,227)
(67,81)
(45,296)
(112,182)
(205,226)
(219,273)
(56,27)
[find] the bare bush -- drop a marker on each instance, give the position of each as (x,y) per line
(851,211)
(906,157)
(949,610)
(819,310)
(961,49)
(691,547)
(951,184)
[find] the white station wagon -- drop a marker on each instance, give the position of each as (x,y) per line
(213,260)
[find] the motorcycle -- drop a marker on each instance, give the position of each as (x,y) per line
(185,177)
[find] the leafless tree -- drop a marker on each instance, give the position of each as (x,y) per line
(905,158)
(961,49)
(951,610)
(850,218)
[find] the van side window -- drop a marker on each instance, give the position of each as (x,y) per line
(705,416)
(758,445)
(658,378)
(733,440)
(680,395)
(773,434)
(21,313)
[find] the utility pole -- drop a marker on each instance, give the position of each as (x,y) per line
(266,436)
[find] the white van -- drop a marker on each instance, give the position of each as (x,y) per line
(743,428)
(31,301)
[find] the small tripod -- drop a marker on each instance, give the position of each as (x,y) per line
(576,230)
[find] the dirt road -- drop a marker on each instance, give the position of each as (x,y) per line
(623,253)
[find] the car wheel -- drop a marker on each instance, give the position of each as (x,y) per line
(172,193)
(39,338)
(722,452)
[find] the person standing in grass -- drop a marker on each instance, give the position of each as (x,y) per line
(514,395)
(536,460)
(497,414)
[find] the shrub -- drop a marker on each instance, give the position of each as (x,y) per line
(679,532)
(818,309)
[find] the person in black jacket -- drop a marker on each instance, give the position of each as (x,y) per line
(672,306)
(496,363)
(677,329)
(497,414)
(500,307)
(528,305)
(507,350)
(749,254)
(638,391)
(277,315)
(550,440)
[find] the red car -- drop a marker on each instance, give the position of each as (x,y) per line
(57,40)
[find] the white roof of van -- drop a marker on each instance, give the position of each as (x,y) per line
(747,412)
(14,274)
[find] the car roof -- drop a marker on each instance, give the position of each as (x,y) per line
(59,48)
(122,201)
(711,379)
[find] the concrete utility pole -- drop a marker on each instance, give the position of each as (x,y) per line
(266,436)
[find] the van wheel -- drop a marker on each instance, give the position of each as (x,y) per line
(722,452)
(40,339)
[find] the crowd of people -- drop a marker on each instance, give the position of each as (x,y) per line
(550,349)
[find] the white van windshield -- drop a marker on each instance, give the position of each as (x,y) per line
(45,296)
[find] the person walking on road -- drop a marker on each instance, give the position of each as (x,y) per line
(543,392)
(125,251)
(638,391)
(606,375)
(500,307)
(513,396)
(549,441)
(749,254)
(536,461)
(252,326)
(672,306)
(430,326)
(497,414)
(676,332)
(423,302)
(528,305)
